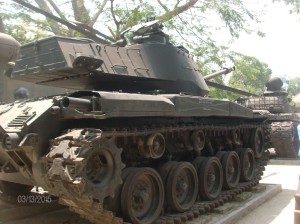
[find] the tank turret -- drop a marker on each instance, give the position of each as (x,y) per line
(143,61)
(274,88)
(274,84)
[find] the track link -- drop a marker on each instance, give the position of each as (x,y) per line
(89,208)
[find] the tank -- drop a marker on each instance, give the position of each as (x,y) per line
(138,141)
(283,117)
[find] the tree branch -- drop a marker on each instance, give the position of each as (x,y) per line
(112,32)
(57,10)
(192,31)
(80,12)
(177,10)
(2,27)
(61,15)
(97,14)
(162,5)
(117,34)
(54,25)
(48,15)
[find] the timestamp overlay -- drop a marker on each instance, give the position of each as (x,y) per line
(34,199)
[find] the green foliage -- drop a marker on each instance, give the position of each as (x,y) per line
(21,24)
(250,75)
(294,86)
(191,21)
(211,56)
(129,17)
(133,16)
(219,93)
(294,3)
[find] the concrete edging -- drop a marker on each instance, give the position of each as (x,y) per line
(239,209)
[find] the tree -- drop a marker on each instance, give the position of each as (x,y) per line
(2,27)
(219,93)
(294,3)
(294,86)
(250,75)
(189,20)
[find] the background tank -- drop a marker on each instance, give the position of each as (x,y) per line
(283,117)
(139,142)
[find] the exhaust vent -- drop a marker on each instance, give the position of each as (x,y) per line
(19,120)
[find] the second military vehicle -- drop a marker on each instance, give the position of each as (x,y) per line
(139,141)
(283,117)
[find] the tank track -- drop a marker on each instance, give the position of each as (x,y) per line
(95,212)
(285,140)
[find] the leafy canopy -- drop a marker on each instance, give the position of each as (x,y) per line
(294,86)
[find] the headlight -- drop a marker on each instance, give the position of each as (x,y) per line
(11,141)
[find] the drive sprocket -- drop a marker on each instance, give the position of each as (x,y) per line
(83,166)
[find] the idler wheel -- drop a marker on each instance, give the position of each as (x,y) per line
(142,196)
(210,177)
(257,141)
(181,186)
(247,159)
(231,169)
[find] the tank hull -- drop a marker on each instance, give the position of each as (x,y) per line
(93,148)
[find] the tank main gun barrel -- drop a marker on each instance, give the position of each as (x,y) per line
(224,87)
(218,73)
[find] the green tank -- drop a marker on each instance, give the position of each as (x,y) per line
(138,141)
(282,116)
